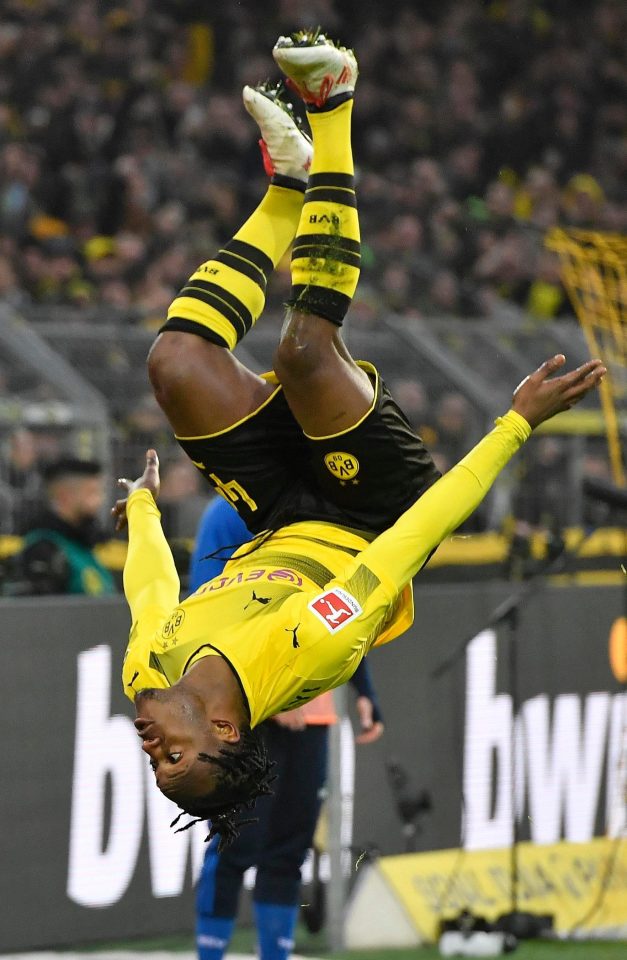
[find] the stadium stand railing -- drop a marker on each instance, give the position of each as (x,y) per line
(45,393)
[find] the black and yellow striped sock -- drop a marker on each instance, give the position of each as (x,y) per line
(326,252)
(224,296)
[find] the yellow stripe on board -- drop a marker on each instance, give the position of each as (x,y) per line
(562,879)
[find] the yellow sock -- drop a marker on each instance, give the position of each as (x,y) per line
(326,253)
(224,297)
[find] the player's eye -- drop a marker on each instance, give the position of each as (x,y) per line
(174,757)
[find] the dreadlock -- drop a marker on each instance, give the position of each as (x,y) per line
(245,775)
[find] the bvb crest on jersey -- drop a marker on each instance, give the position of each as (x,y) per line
(344,466)
(172,625)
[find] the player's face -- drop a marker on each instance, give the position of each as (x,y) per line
(173,731)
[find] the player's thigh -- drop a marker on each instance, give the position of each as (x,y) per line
(201,387)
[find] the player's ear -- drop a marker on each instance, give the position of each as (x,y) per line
(225,730)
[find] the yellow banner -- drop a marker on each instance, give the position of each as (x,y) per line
(583,885)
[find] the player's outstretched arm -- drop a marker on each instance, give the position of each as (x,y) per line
(151,583)
(399,553)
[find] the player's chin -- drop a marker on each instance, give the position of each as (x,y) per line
(192,790)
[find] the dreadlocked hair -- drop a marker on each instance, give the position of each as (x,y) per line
(245,774)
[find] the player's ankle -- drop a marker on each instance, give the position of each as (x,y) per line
(332,103)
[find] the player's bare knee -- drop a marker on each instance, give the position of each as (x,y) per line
(168,365)
(305,346)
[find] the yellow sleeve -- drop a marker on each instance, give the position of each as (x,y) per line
(151,583)
(399,553)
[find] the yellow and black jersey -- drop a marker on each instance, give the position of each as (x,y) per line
(294,613)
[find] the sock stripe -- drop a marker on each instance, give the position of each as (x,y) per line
(345,180)
(252,254)
(331,103)
(231,308)
(290,183)
(327,252)
(331,194)
(352,246)
(181,325)
(321,301)
(249,269)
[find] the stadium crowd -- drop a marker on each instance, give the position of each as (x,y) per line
(125,152)
(126,155)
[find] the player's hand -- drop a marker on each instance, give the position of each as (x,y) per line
(291,719)
(371,729)
(149,480)
(540,395)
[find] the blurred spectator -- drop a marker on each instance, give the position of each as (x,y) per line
(411,396)
(546,297)
(58,554)
(181,501)
(454,426)
(10,290)
(21,477)
(539,505)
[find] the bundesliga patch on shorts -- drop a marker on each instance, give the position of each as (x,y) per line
(335,608)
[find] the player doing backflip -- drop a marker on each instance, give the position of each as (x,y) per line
(316,456)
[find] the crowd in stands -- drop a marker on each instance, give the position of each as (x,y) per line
(126,155)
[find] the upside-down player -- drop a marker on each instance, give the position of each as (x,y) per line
(317,458)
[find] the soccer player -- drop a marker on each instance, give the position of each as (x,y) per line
(319,461)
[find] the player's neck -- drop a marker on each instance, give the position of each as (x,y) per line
(214,682)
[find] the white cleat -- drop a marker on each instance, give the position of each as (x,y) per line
(284,146)
(316,69)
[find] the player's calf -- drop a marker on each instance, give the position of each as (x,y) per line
(311,360)
(226,294)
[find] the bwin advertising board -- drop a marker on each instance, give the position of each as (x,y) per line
(87,852)
(523,737)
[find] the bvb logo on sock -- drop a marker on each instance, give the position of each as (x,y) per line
(344,466)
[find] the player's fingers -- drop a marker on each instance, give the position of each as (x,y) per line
(544,371)
(581,374)
(123,482)
(549,366)
(583,384)
(152,460)
(587,374)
